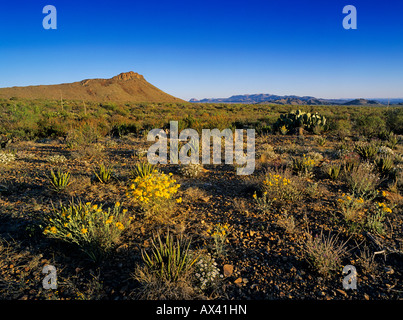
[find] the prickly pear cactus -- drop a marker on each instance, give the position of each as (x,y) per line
(298,118)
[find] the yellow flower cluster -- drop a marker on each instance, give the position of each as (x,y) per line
(82,220)
(384,207)
(352,208)
(307,161)
(346,199)
(154,186)
(220,230)
(275,180)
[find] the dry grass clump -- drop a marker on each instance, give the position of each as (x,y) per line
(363,181)
(287,222)
(324,253)
(191,170)
(167,270)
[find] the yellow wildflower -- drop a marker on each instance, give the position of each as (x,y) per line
(119,225)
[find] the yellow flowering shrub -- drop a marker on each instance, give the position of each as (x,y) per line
(351,207)
(92,228)
(219,234)
(376,217)
(154,192)
(279,187)
(363,214)
(303,165)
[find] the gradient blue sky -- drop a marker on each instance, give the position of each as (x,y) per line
(200,49)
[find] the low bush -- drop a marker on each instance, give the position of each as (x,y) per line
(362,181)
(94,230)
(154,193)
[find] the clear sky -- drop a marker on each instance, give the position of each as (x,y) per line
(209,48)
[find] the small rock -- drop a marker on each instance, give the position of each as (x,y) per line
(245,280)
(238,281)
(366,297)
(228,269)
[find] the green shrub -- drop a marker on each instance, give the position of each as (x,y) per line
(169,258)
(366,150)
(104,173)
(154,193)
(350,161)
(351,207)
(394,120)
(384,164)
(393,140)
(369,125)
(362,181)
(376,218)
(302,165)
(332,170)
(321,141)
(342,128)
(282,186)
(59,180)
(93,229)
(142,169)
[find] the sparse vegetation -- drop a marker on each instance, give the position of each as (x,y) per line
(348,184)
(325,253)
(92,228)
(59,181)
(104,173)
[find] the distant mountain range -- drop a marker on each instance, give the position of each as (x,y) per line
(295,100)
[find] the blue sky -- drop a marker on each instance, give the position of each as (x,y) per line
(206,48)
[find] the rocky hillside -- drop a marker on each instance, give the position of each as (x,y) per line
(128,86)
